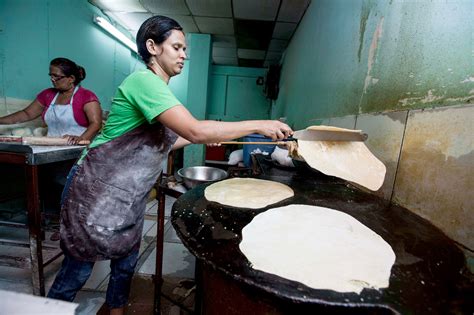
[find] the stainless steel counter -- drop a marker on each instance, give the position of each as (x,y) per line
(37,155)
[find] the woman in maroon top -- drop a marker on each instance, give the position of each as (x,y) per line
(68,110)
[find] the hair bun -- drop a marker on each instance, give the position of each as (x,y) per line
(81,73)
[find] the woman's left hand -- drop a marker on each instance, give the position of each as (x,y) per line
(215,144)
(73,140)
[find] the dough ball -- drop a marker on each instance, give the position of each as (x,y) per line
(22,132)
(40,132)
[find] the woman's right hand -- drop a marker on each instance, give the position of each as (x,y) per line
(274,129)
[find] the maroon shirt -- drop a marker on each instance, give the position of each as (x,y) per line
(81,98)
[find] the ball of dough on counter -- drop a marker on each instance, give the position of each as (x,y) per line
(40,132)
(22,132)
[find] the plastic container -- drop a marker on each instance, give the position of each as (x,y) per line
(256,148)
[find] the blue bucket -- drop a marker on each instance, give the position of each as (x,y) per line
(249,148)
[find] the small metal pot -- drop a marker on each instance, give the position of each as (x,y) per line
(195,175)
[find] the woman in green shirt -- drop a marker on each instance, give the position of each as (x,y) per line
(105,197)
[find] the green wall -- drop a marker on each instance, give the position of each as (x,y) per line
(235,94)
(364,56)
(34,32)
(199,60)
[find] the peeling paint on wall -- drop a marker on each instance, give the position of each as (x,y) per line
(364,16)
(470,79)
(371,58)
(418,63)
(430,97)
(436,170)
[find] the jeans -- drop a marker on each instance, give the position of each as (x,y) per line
(74,273)
(69,178)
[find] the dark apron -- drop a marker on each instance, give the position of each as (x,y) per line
(102,216)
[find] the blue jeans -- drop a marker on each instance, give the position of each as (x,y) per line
(74,273)
(69,178)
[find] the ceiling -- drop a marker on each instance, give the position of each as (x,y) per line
(245,33)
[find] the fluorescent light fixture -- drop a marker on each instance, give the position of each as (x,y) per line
(115,33)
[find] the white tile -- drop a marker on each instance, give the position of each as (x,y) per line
(283,30)
(147,225)
(224,52)
(273,55)
(152,206)
(51,271)
(169,201)
(171,236)
(292,10)
(217,26)
(153,231)
(10,274)
(219,8)
(225,61)
(89,302)
(251,54)
(164,7)
(278,45)
(265,10)
(120,6)
(14,234)
(177,262)
(16,286)
(223,41)
(385,135)
(186,22)
(131,20)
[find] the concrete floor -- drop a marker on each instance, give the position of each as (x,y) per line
(178,272)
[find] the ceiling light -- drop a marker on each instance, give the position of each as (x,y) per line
(115,33)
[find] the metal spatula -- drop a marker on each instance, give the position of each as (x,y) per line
(316,133)
(324,134)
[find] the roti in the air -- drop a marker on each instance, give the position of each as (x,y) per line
(350,160)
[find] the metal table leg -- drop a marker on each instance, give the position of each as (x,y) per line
(160,195)
(34,227)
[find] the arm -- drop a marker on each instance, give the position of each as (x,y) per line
(180,120)
(31,112)
(94,116)
(180,143)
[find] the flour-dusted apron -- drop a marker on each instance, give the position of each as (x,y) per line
(103,213)
(60,119)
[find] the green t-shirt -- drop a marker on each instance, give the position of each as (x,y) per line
(140,98)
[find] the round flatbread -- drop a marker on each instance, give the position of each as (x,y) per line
(350,160)
(319,247)
(247,192)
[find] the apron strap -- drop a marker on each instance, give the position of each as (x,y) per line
(72,97)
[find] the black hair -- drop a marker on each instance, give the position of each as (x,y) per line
(158,28)
(69,68)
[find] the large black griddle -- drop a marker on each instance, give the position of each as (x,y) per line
(429,275)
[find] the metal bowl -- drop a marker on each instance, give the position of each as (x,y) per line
(195,175)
